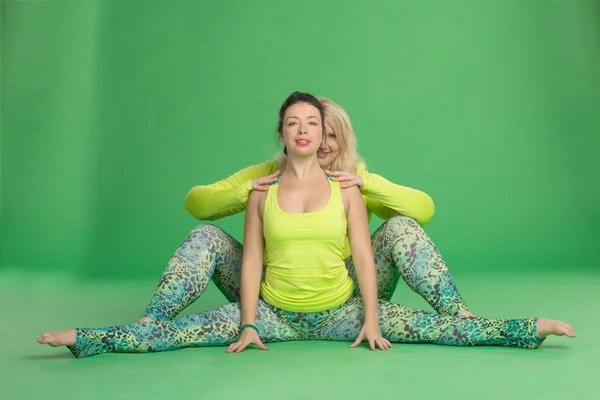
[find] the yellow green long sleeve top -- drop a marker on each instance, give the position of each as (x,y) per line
(382,197)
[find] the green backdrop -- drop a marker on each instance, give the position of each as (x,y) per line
(112,110)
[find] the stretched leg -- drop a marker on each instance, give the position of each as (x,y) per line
(401,247)
(207,252)
(402,324)
(217,327)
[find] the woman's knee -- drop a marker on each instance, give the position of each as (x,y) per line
(207,230)
(208,236)
(209,233)
(401,223)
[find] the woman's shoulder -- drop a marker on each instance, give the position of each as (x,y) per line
(349,194)
(257,194)
(256,200)
(360,168)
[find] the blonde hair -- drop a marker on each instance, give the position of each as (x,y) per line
(336,117)
(348,157)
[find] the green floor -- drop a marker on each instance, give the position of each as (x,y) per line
(561,369)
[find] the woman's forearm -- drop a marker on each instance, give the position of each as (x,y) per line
(367,280)
(209,203)
(250,288)
(225,197)
(387,199)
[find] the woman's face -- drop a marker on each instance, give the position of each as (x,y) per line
(302,131)
(330,148)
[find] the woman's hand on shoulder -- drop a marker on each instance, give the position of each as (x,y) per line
(346,179)
(262,184)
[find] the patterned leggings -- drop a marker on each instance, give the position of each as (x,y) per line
(401,248)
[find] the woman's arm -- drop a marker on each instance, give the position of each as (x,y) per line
(252,257)
(362,255)
(228,196)
(252,265)
(386,199)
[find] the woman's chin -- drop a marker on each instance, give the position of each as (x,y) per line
(324,162)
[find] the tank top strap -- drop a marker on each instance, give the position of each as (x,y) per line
(336,193)
(271,200)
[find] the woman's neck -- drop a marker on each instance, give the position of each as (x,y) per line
(303,168)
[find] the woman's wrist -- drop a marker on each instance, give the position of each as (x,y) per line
(249,326)
(371,315)
(366,182)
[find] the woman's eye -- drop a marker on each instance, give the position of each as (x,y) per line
(291,123)
(332,135)
(313,123)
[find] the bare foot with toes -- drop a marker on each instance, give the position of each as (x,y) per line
(60,338)
(145,319)
(547,327)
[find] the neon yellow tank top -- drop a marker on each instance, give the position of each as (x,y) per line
(304,255)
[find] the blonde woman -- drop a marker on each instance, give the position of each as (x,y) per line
(401,247)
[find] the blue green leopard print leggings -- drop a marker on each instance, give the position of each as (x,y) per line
(401,248)
(220,327)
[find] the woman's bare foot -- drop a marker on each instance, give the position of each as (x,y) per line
(465,313)
(56,339)
(546,327)
(145,319)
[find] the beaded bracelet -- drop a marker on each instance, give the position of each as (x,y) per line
(249,326)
